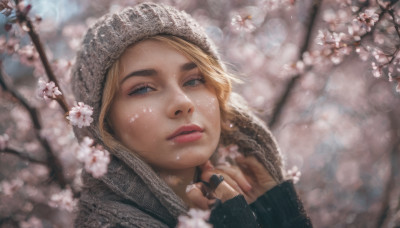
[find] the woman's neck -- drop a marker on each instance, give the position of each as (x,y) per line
(178,180)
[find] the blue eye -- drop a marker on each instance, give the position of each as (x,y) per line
(194,82)
(141,90)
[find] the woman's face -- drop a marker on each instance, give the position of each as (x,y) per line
(164,110)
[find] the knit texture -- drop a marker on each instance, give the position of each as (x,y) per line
(131,194)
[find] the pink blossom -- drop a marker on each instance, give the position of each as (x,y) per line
(80,115)
(240,23)
(97,162)
(8,46)
(230,151)
(4,141)
(368,18)
(47,90)
(63,200)
(294,174)
(28,55)
(95,158)
(196,219)
(376,70)
(10,187)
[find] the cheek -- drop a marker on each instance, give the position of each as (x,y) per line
(139,125)
(209,106)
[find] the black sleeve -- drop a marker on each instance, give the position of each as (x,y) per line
(281,207)
(233,213)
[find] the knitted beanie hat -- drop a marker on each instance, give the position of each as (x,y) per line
(107,39)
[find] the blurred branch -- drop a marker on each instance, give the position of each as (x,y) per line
(24,20)
(53,162)
(394,170)
(291,84)
(22,155)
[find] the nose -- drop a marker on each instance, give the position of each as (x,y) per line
(180,105)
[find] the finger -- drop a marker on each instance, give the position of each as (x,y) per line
(205,176)
(237,175)
(251,163)
(225,192)
(261,174)
(196,197)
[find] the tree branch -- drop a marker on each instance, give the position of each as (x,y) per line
(292,82)
(53,162)
(24,19)
(22,155)
(394,170)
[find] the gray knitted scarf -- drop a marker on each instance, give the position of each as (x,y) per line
(131,194)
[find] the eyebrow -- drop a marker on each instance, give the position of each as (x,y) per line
(151,72)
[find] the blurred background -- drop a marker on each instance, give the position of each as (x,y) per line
(322,74)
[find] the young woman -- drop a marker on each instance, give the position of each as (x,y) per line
(163,107)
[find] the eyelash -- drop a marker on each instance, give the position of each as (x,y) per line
(137,91)
(199,78)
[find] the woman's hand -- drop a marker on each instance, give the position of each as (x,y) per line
(256,175)
(250,178)
(204,196)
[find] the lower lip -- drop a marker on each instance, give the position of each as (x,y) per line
(188,137)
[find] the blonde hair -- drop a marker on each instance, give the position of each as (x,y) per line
(213,72)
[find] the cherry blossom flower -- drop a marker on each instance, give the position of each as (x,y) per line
(97,162)
(226,154)
(368,18)
(240,23)
(196,219)
(47,90)
(80,115)
(63,200)
(376,70)
(95,158)
(9,46)
(8,188)
(4,141)
(28,55)
(294,174)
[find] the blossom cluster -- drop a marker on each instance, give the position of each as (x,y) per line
(80,115)
(95,158)
(196,218)
(47,90)
(64,200)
